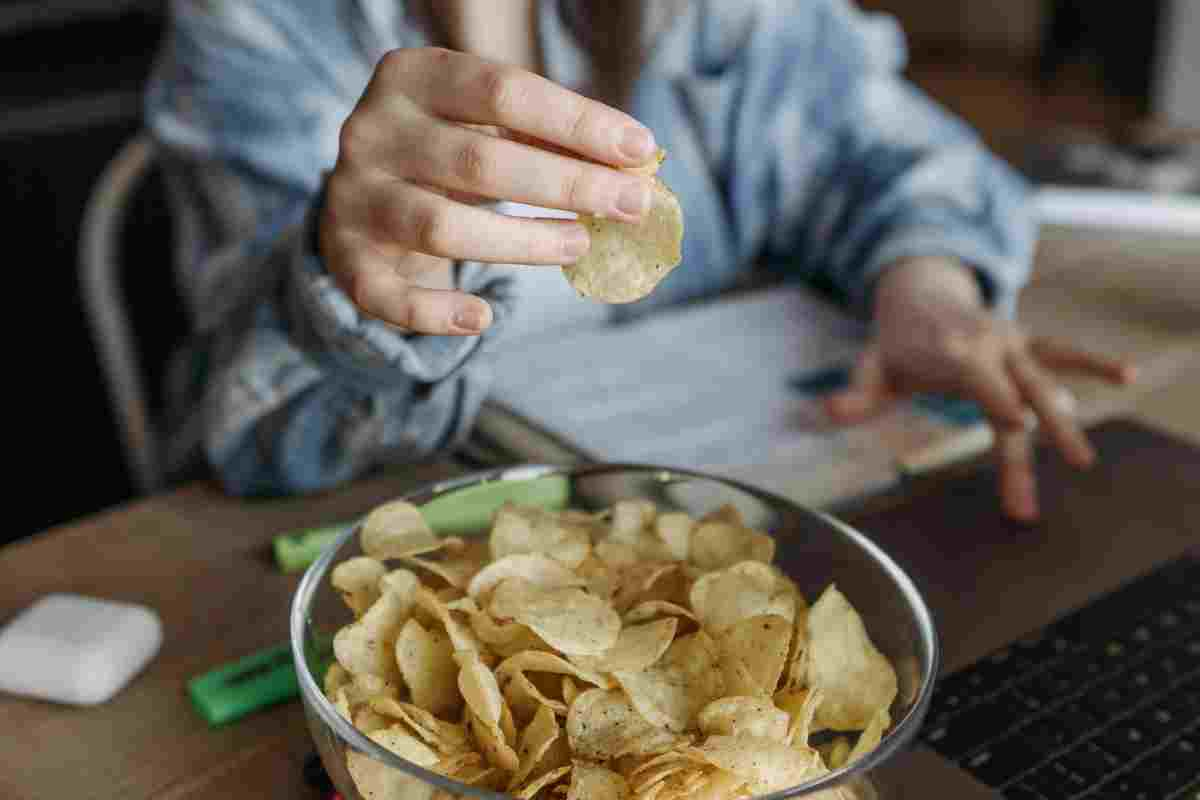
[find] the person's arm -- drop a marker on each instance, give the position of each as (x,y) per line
(874,189)
(325,348)
(286,386)
(843,167)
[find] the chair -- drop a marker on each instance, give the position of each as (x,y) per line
(107,312)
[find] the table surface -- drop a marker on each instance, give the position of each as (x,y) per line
(202,559)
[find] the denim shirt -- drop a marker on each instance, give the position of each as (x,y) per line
(792,139)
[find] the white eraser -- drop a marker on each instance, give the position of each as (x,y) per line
(73,649)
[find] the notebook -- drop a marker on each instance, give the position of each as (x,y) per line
(719,387)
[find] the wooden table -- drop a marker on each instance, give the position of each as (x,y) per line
(202,559)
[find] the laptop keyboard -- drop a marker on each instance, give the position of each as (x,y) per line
(1103,703)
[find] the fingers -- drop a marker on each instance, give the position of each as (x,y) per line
(989,386)
(452,157)
(1062,357)
(869,394)
(1042,394)
(415,218)
(464,88)
(1018,484)
(379,289)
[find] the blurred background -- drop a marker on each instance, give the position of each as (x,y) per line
(1044,81)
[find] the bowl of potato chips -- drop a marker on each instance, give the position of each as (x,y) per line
(608,632)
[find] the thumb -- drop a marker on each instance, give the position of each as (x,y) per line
(868,394)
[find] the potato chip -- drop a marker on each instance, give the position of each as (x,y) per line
(674,530)
(335,678)
(570,690)
(766,765)
(540,570)
(871,736)
(462,638)
(426,660)
(377,781)
(367,720)
(540,661)
(801,705)
(366,645)
(760,644)
(659,768)
(536,740)
(637,648)
(401,584)
(617,554)
(341,702)
(445,737)
(491,742)
(367,685)
(457,572)
(571,621)
(505,638)
(357,579)
(526,699)
(529,790)
(603,724)
(715,545)
(836,752)
(592,782)
(643,581)
(678,786)
(397,530)
(627,260)
(483,776)
(685,680)
(630,519)
(856,679)
(478,687)
(459,763)
(746,589)
(648,610)
(795,674)
(744,716)
(719,785)
(530,529)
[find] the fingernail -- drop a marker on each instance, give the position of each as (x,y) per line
(637,144)
(469,317)
(634,200)
(576,242)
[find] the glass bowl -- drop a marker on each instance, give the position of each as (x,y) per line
(812,548)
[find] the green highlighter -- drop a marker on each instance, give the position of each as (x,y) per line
(465,511)
(255,682)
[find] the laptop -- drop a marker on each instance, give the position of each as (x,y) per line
(1071,647)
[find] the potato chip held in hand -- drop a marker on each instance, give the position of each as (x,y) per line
(627,260)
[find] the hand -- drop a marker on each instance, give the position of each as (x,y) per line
(934,335)
(435,132)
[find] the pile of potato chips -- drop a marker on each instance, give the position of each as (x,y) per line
(622,655)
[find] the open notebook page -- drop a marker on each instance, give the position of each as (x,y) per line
(707,387)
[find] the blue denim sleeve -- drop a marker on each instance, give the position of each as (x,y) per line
(284,386)
(842,166)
